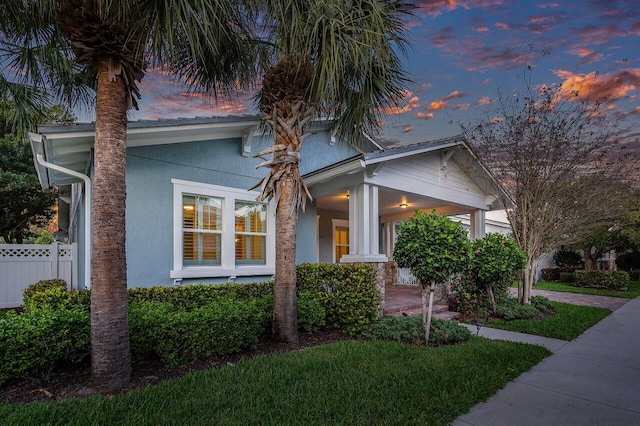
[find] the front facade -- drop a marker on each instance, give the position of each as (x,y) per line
(190,217)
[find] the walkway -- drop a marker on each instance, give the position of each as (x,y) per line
(406,300)
(608,302)
(594,379)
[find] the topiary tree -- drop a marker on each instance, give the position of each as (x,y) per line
(434,248)
(495,261)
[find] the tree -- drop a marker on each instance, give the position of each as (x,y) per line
(495,261)
(548,145)
(621,233)
(113,41)
(434,247)
(336,59)
(24,205)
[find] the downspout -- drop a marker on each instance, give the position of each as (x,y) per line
(87,212)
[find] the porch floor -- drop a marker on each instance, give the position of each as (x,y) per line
(405,299)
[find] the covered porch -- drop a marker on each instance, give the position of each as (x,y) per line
(361,202)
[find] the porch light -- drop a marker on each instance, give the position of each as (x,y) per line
(403,205)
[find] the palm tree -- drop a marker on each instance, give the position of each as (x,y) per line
(203,43)
(329,58)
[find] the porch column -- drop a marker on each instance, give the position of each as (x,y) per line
(364,226)
(478,225)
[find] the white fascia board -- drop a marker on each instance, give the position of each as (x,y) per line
(341,170)
(408,153)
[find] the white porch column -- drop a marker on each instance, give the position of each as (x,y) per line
(364,225)
(478,225)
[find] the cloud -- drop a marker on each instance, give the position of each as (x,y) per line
(424,116)
(489,57)
(503,25)
(540,24)
(443,103)
(611,86)
(591,34)
(437,7)
(635,28)
(483,101)
(407,129)
(407,103)
(462,106)
(443,37)
(588,55)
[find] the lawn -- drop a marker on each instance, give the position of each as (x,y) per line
(354,382)
(569,322)
(632,293)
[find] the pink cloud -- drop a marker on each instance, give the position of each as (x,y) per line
(635,29)
(483,101)
(462,106)
(408,103)
(424,116)
(591,34)
(611,86)
(437,7)
(503,25)
(407,129)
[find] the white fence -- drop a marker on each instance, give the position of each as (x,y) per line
(405,277)
(25,264)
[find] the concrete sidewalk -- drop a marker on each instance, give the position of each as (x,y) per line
(594,379)
(493,333)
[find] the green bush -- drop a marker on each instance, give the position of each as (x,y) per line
(43,285)
(410,330)
(58,297)
(195,295)
(612,280)
(471,301)
(311,314)
(35,342)
(178,336)
(567,277)
(347,292)
(542,304)
(551,274)
(510,309)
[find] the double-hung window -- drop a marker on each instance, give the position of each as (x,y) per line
(220,231)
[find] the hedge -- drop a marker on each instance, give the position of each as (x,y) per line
(347,292)
(410,330)
(612,280)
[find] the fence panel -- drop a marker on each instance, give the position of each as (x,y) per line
(25,264)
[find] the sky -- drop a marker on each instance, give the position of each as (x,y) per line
(463,52)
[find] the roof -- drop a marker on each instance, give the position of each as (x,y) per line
(451,147)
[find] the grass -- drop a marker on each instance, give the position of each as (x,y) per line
(632,293)
(569,322)
(355,383)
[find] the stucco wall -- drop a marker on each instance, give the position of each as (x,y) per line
(149,213)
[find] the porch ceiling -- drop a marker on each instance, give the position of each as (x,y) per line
(389,202)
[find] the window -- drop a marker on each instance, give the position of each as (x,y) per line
(251,233)
(220,231)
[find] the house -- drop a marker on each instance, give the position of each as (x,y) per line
(190,217)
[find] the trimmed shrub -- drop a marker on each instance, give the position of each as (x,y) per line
(410,330)
(612,280)
(567,277)
(551,274)
(347,292)
(471,301)
(35,342)
(311,314)
(196,295)
(178,336)
(43,285)
(57,298)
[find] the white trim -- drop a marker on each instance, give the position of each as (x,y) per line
(227,266)
(336,223)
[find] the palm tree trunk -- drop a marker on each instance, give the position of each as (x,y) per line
(110,350)
(285,317)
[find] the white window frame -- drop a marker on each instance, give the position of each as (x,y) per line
(337,223)
(227,267)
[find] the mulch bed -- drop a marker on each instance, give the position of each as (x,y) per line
(74,383)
